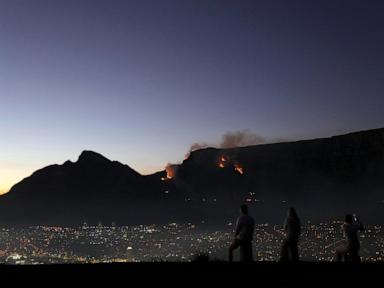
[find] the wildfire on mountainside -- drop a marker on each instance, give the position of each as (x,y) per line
(226,162)
(170,173)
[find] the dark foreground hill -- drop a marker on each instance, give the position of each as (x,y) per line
(264,274)
(323,178)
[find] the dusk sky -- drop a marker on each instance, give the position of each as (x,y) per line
(140,81)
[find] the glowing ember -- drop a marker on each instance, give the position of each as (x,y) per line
(222,162)
(239,169)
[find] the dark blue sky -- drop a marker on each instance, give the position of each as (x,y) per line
(139,81)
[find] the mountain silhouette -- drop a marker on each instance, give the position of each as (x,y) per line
(322,178)
(91,189)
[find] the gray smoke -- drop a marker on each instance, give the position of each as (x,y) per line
(233,139)
(197,146)
(241,139)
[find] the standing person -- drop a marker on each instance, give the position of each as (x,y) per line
(351,227)
(292,229)
(245,227)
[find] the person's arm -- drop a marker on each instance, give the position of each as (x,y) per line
(298,228)
(344,229)
(237,230)
(285,227)
(358,223)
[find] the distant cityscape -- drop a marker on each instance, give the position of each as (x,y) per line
(171,242)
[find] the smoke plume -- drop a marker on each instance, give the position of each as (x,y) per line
(197,146)
(240,139)
(233,139)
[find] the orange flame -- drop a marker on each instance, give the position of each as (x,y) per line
(222,162)
(170,173)
(239,169)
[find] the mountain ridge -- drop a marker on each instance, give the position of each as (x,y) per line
(342,173)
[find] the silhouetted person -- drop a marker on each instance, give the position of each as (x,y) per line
(292,229)
(245,226)
(351,247)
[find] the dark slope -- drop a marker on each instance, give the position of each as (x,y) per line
(329,176)
(323,178)
(92,189)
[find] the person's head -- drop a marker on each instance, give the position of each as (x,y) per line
(292,213)
(348,218)
(244,209)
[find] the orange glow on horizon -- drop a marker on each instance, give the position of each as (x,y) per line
(2,192)
(14,171)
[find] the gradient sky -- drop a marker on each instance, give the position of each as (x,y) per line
(139,81)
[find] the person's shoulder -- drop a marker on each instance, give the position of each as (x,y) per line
(243,217)
(357,225)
